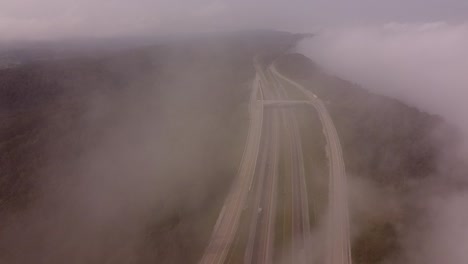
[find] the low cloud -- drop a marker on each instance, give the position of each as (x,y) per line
(425,66)
(421,64)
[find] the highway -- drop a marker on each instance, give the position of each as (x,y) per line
(338,239)
(228,220)
(300,202)
(256,184)
(259,247)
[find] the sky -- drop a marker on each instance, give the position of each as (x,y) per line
(55,19)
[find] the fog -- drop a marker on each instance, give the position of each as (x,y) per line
(424,65)
(130,167)
(56,19)
(413,50)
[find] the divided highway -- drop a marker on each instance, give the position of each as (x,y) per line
(256,185)
(259,247)
(338,240)
(229,218)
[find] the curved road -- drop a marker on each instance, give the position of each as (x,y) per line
(338,241)
(259,168)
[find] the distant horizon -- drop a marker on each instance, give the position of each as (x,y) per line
(58,19)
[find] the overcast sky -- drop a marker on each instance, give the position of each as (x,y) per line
(45,19)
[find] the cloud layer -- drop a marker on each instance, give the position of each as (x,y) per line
(424,65)
(52,19)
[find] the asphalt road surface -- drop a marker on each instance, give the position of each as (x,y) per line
(258,177)
(229,217)
(300,202)
(338,240)
(259,247)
